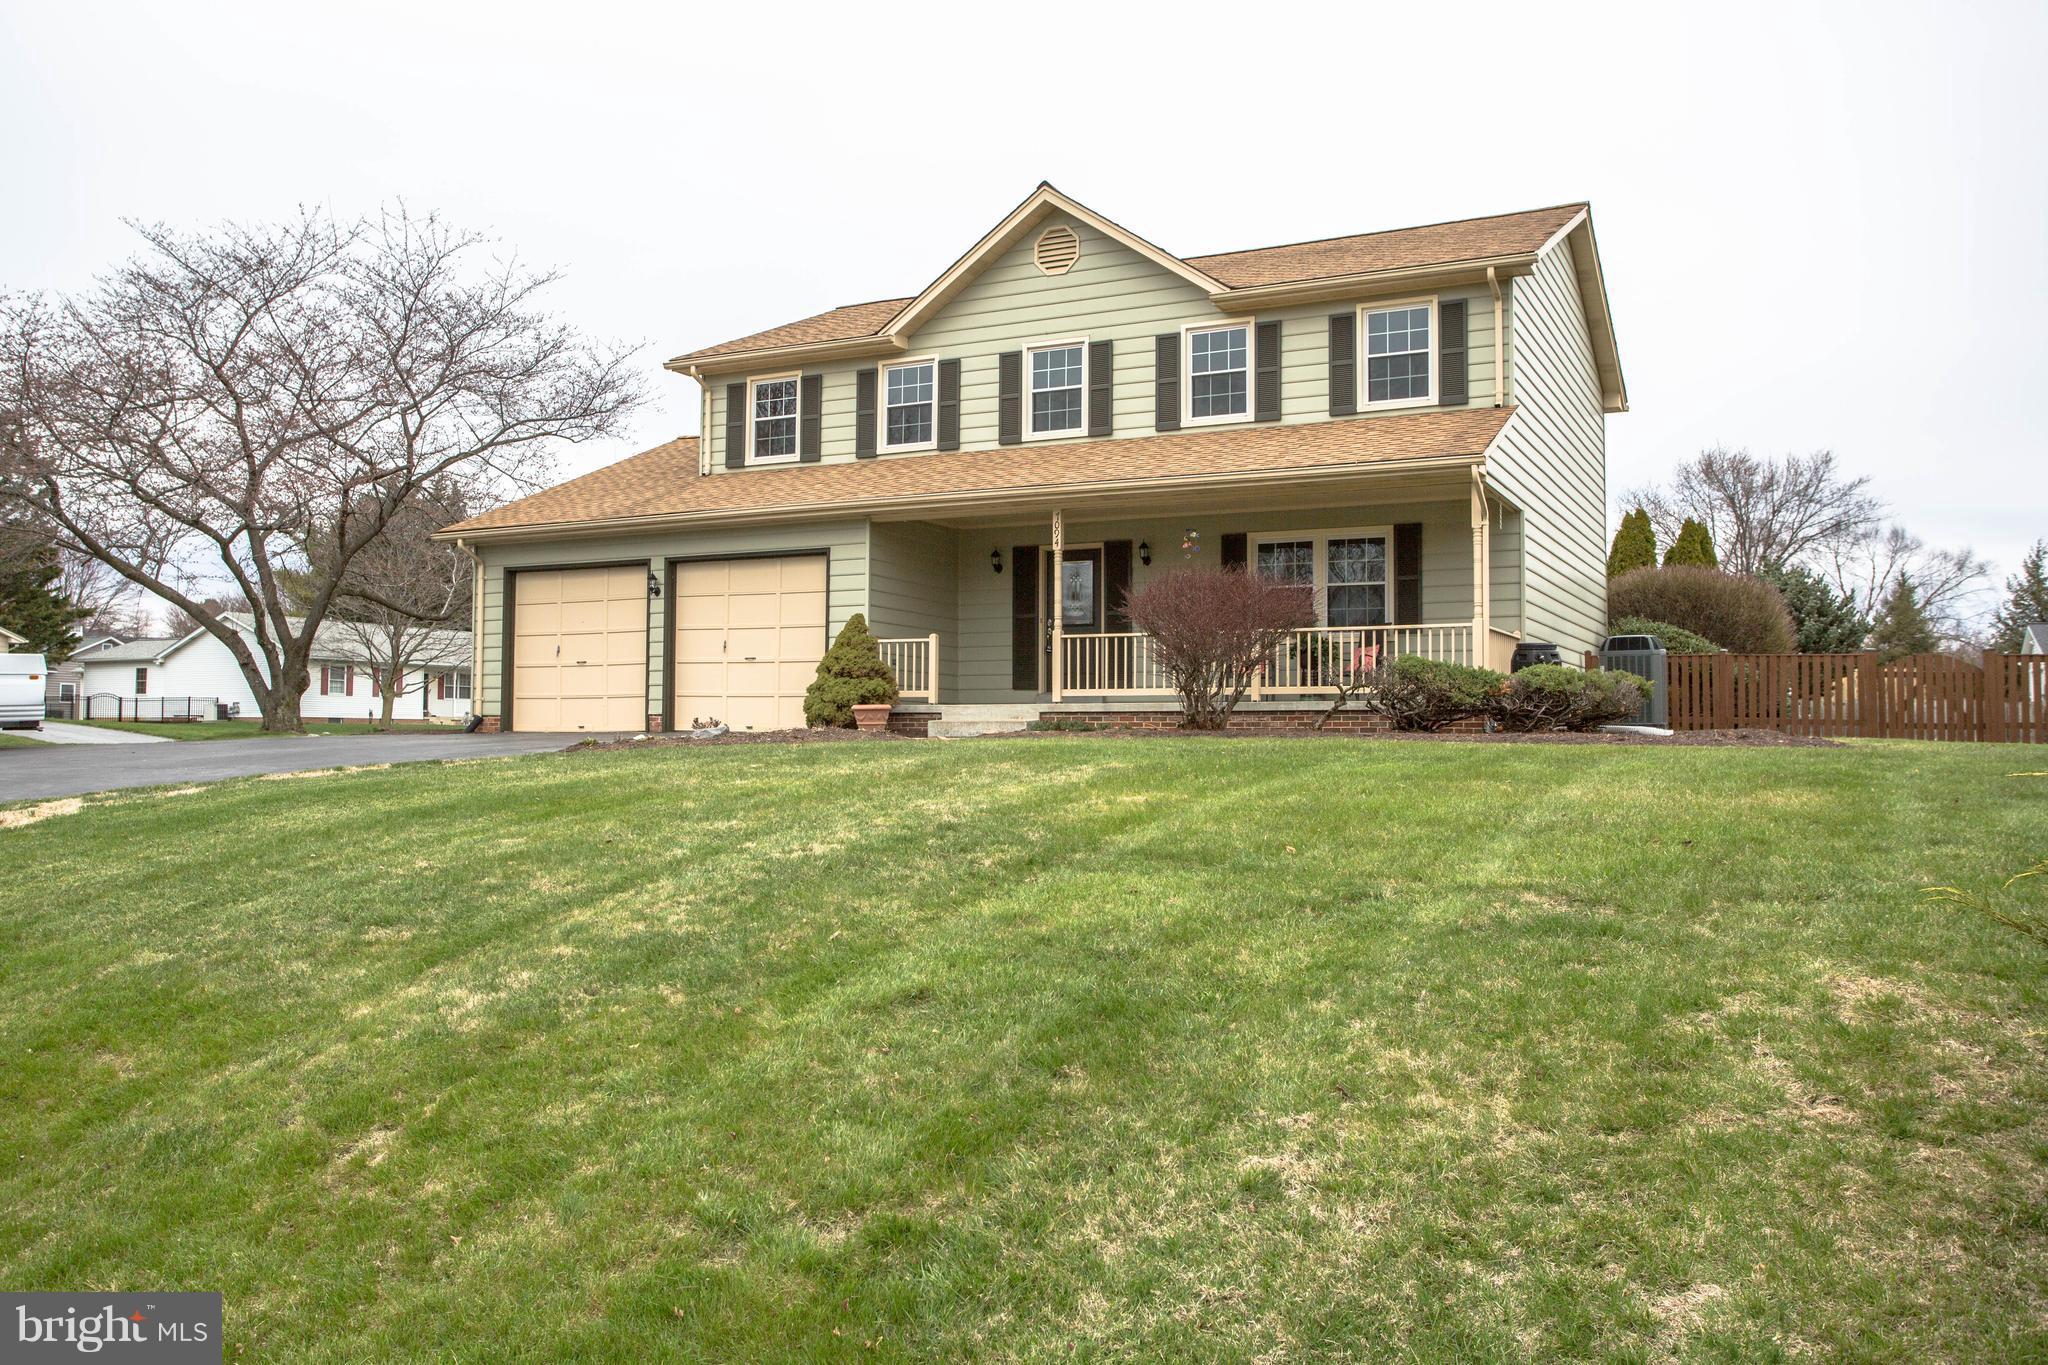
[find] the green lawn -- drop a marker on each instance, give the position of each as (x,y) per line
(15,741)
(249,729)
(1068,1049)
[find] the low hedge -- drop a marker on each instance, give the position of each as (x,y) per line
(1553,697)
(1427,694)
(1677,639)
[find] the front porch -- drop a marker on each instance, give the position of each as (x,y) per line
(1031,614)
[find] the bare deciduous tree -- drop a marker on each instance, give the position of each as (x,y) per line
(267,398)
(1213,629)
(1763,513)
(1867,570)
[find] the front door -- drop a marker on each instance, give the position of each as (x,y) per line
(1078,586)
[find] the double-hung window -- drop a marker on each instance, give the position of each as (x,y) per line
(458,685)
(1057,375)
(773,420)
(334,680)
(141,682)
(1398,352)
(1347,569)
(1219,373)
(908,406)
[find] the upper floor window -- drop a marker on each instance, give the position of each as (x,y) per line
(1058,386)
(1398,348)
(774,419)
(1219,372)
(907,405)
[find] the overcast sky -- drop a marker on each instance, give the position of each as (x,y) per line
(1822,227)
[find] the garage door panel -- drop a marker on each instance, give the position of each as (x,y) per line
(749,636)
(579,650)
(583,618)
(627,614)
(535,618)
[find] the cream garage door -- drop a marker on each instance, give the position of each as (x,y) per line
(749,634)
(579,649)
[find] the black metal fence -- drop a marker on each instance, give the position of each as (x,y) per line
(108,706)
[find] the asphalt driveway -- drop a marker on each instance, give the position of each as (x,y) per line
(31,774)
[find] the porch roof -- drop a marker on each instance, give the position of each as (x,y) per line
(664,484)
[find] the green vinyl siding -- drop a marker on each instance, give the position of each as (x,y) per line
(911,568)
(845,542)
(1551,460)
(1111,294)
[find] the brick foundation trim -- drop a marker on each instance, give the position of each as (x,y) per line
(1344,722)
(490,725)
(653,725)
(919,726)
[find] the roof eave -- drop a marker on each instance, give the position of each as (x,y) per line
(1374,281)
(843,348)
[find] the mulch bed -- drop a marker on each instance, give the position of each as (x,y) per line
(1693,739)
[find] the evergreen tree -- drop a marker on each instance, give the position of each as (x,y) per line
(1827,622)
(32,604)
(2026,602)
(1693,546)
(851,674)
(1902,626)
(1635,545)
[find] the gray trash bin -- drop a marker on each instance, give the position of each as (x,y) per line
(1646,657)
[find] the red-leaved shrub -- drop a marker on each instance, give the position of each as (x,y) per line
(1212,629)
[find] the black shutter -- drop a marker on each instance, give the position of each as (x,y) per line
(864,414)
(949,405)
(1343,364)
(735,426)
(1010,402)
(1234,550)
(1024,645)
(1101,394)
(1266,390)
(1408,573)
(1116,584)
(1166,382)
(810,418)
(1451,384)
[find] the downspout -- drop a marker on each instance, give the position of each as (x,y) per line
(1500,355)
(476,625)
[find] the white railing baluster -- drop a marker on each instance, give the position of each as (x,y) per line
(1316,660)
(915,664)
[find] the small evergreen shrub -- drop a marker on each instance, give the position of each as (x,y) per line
(1677,639)
(851,674)
(1426,694)
(1694,545)
(1635,545)
(1738,612)
(1553,697)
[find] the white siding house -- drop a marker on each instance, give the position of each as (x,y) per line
(199,666)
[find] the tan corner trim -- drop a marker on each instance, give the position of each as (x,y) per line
(1500,353)
(1350,286)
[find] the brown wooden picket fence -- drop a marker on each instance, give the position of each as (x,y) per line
(1922,696)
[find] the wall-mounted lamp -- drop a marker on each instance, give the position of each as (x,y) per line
(653,584)
(995,560)
(1145,552)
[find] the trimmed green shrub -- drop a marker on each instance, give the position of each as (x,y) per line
(1740,613)
(1693,546)
(1553,697)
(1825,621)
(1426,694)
(851,674)
(1635,545)
(1677,639)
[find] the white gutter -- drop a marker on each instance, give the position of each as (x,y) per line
(1500,355)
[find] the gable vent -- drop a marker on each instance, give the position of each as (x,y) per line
(1057,250)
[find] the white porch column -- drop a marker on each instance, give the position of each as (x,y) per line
(1056,594)
(1480,642)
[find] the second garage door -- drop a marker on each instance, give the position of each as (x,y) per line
(749,634)
(579,649)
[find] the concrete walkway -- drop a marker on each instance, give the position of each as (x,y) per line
(56,732)
(37,774)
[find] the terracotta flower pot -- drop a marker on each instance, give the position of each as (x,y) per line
(872,716)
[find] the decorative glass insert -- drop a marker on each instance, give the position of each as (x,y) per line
(774,419)
(1288,561)
(1056,389)
(1357,577)
(908,405)
(1218,380)
(1397,354)
(1077,595)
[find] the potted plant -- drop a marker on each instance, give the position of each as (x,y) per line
(853,687)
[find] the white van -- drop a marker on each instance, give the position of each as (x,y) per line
(21,691)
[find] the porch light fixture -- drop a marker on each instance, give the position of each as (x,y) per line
(1145,552)
(995,560)
(653,584)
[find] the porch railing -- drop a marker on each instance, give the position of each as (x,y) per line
(1318,659)
(915,662)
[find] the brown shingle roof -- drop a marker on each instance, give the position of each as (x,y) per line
(664,481)
(1469,239)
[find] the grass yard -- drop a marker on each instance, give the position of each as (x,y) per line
(1045,1049)
(250,729)
(15,741)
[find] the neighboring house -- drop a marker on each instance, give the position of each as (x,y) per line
(343,685)
(9,641)
(66,681)
(1413,421)
(2036,641)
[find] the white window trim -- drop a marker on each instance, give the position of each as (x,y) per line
(882,419)
(458,680)
(1056,344)
(794,455)
(1321,558)
(327,687)
(1187,371)
(1365,360)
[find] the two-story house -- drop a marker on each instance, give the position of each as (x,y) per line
(1413,421)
